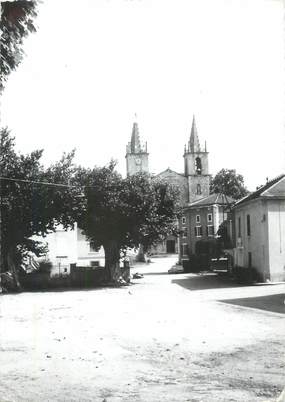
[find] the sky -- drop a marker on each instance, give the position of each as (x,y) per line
(94,64)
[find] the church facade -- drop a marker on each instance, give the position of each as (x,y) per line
(194,182)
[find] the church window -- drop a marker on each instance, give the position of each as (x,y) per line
(183,220)
(210,218)
(197,218)
(198,165)
(199,189)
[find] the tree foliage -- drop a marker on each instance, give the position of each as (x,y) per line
(124,213)
(228,182)
(27,207)
(17,21)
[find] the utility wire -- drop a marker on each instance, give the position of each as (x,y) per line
(37,182)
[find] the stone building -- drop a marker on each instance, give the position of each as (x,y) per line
(201,221)
(136,154)
(194,182)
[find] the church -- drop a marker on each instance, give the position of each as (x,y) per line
(194,182)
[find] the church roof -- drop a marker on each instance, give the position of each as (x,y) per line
(170,171)
(134,146)
(135,140)
(213,199)
(193,145)
(274,188)
(194,139)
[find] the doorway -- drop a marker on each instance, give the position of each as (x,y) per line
(170,246)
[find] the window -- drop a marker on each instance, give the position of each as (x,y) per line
(249,258)
(239,227)
(198,165)
(185,249)
(210,218)
(210,230)
(248,224)
(197,218)
(95,263)
(199,189)
(92,248)
(183,220)
(184,232)
(198,231)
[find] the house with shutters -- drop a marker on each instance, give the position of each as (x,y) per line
(201,221)
(260,230)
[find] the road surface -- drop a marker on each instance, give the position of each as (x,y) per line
(164,338)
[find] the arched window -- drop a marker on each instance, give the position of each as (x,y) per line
(198,165)
(199,189)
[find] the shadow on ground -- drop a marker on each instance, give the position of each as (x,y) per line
(273,303)
(206,281)
(155,273)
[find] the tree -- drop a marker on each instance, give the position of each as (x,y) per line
(28,205)
(17,21)
(124,213)
(230,183)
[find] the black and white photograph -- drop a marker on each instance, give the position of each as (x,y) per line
(142,201)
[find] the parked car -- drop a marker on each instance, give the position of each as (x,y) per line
(176,269)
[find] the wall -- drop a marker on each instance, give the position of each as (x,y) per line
(190,215)
(133,167)
(69,247)
(189,163)
(85,254)
(61,249)
(204,182)
(176,179)
(276,236)
(257,242)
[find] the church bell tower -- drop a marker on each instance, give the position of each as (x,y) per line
(136,154)
(196,167)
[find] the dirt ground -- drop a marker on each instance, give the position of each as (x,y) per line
(164,338)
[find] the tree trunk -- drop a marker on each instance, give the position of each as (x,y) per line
(112,260)
(141,254)
(12,268)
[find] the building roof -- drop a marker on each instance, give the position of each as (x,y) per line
(193,145)
(272,189)
(170,171)
(213,199)
(134,146)
(194,140)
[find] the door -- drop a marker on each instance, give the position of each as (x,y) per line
(170,246)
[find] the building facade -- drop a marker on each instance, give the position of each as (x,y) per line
(201,221)
(260,231)
(193,183)
(136,154)
(70,246)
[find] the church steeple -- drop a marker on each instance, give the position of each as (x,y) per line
(194,144)
(135,140)
(196,166)
(136,155)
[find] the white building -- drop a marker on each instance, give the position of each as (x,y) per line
(71,247)
(260,230)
